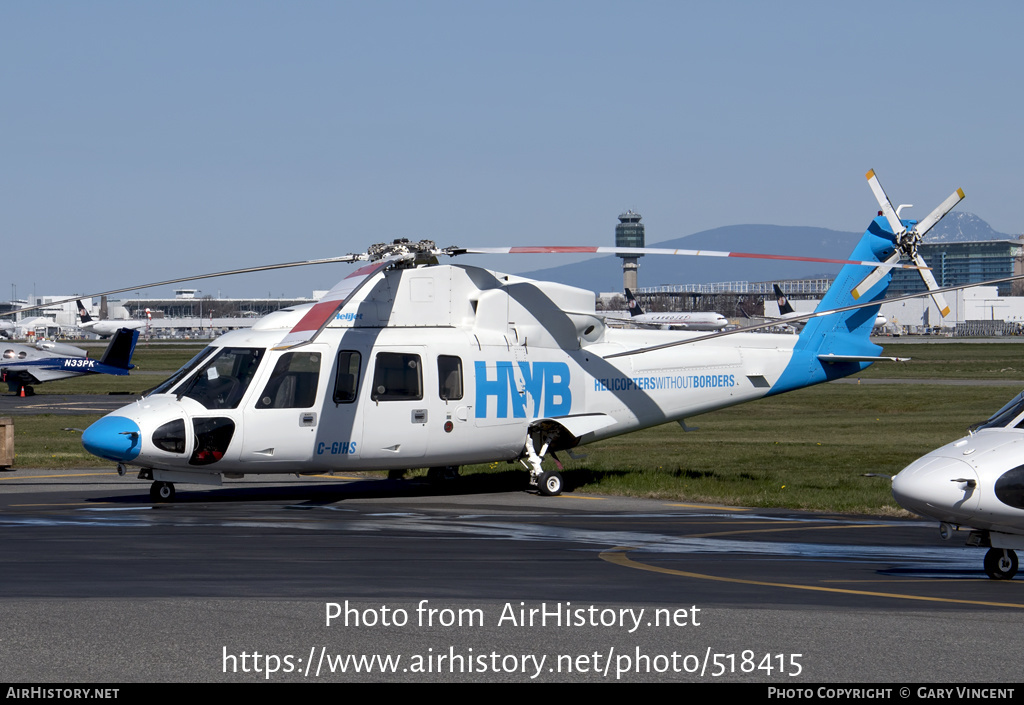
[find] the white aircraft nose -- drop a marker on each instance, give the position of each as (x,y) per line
(938,487)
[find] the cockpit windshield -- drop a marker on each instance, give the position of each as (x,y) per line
(1005,416)
(183,372)
(223,380)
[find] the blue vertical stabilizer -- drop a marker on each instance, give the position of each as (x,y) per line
(846,333)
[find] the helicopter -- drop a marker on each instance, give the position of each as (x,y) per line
(975,482)
(408,363)
(22,366)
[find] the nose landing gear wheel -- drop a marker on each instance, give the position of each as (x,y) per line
(1001,563)
(161,492)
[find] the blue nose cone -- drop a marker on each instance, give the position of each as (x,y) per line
(115,438)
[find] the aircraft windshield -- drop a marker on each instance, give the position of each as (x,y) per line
(223,380)
(1003,417)
(182,372)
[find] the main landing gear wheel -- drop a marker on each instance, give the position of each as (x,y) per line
(1001,563)
(161,492)
(550,483)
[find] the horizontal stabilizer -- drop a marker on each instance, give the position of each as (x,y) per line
(860,358)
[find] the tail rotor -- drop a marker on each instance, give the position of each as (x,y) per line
(907,241)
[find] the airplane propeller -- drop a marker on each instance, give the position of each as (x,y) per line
(907,241)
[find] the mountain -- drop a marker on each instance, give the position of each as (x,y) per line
(964,227)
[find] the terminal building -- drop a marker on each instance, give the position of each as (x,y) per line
(956,263)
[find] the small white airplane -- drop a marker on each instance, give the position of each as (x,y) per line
(976,483)
(22,366)
(407,363)
(108,327)
(683,320)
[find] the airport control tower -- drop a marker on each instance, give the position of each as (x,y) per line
(629,233)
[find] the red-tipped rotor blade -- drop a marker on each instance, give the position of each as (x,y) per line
(550,249)
(317,318)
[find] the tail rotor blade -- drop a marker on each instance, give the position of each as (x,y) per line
(883,202)
(939,213)
(876,275)
(929,281)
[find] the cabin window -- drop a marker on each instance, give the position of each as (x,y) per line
(212,436)
(293,383)
(449,377)
(222,382)
(397,377)
(346,380)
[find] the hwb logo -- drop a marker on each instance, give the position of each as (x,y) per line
(546,382)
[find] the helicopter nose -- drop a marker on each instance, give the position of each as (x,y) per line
(115,438)
(939,487)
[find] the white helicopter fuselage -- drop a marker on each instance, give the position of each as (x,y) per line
(439,366)
(436,366)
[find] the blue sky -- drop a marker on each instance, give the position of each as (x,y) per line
(143,141)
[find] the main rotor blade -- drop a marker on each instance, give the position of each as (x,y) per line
(808,316)
(939,213)
(875,276)
(179,280)
(929,281)
(544,249)
(317,317)
(883,202)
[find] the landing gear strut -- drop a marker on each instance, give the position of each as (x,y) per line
(161,492)
(548,482)
(1001,563)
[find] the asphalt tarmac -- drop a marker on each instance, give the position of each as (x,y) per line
(74,404)
(352,579)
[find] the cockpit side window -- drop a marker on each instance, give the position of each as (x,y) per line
(293,383)
(397,377)
(223,380)
(346,380)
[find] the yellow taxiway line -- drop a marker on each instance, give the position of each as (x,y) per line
(618,556)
